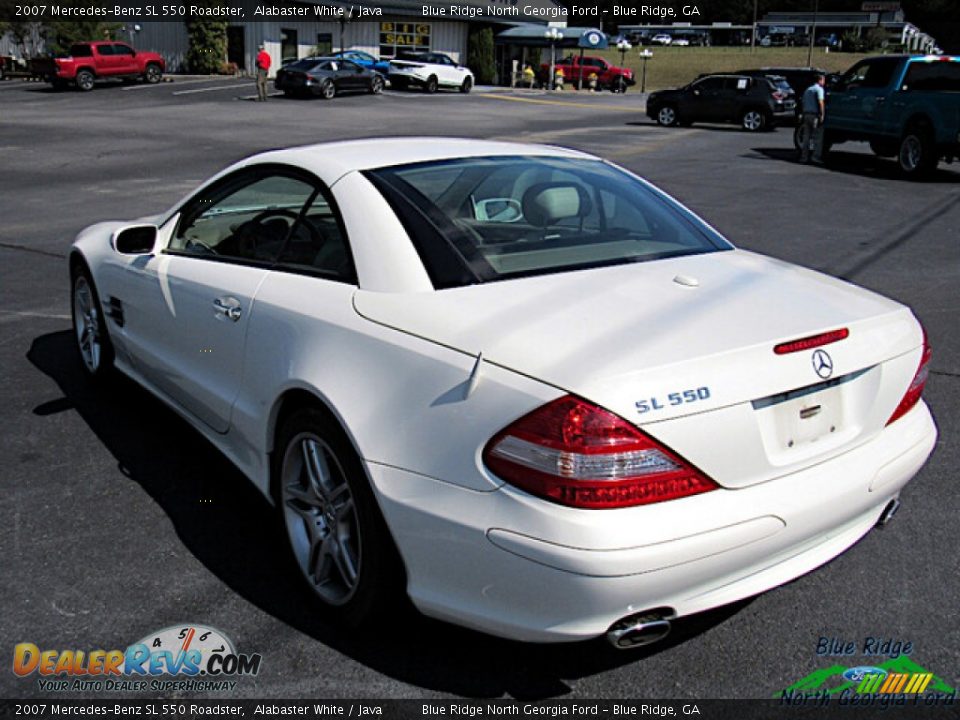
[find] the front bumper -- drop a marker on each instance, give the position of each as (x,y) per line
(512,565)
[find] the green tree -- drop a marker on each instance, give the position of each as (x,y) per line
(480,56)
(61,34)
(208,45)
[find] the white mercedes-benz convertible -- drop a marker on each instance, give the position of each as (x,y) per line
(518,383)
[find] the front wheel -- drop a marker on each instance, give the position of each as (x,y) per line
(753,120)
(89,327)
(667,116)
(467,85)
(916,156)
(338,537)
(376,85)
(85,80)
(153,74)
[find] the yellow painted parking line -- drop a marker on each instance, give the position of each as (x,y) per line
(565,103)
(651,146)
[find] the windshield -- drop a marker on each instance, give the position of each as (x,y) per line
(484,219)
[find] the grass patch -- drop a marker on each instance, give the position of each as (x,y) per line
(674,67)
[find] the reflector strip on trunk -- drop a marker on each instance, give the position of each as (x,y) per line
(814,341)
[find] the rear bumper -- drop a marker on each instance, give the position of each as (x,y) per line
(508,564)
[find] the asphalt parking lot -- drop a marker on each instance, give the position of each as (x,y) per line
(120,520)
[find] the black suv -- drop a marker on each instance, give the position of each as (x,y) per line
(755,103)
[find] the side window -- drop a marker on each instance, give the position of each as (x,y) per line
(122,50)
(880,73)
(318,245)
(246,219)
(933,77)
(105,50)
(710,83)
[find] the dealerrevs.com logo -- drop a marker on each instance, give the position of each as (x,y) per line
(187,657)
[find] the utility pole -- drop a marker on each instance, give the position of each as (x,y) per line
(753,33)
(813,33)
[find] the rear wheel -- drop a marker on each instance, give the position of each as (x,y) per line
(431,86)
(753,120)
(336,532)
(667,116)
(328,90)
(467,85)
(153,74)
(85,80)
(89,327)
(917,156)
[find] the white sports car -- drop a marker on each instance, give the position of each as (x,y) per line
(518,383)
(429,71)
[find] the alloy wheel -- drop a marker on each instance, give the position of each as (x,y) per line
(86,324)
(321,518)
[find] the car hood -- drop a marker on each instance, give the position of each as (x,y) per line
(618,335)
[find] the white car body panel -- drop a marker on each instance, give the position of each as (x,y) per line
(421,379)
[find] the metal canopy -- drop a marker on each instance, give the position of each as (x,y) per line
(573,37)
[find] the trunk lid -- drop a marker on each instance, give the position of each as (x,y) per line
(684,348)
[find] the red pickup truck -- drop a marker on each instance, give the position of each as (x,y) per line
(609,77)
(88,61)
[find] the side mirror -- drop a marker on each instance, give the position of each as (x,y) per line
(135,239)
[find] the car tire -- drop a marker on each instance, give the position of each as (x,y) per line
(667,116)
(618,86)
(152,74)
(754,120)
(431,85)
(884,148)
(336,533)
(328,90)
(916,155)
(376,85)
(2,73)
(467,85)
(89,325)
(85,80)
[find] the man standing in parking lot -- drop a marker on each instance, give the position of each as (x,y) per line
(813,114)
(263,69)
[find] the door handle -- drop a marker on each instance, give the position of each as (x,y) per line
(228,307)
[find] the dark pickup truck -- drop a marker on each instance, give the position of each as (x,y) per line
(906,107)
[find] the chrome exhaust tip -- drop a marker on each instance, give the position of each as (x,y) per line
(638,630)
(888,512)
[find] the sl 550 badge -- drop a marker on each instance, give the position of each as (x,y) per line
(682,397)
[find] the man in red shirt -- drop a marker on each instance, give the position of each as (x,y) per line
(263,69)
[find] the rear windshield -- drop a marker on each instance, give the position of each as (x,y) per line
(478,220)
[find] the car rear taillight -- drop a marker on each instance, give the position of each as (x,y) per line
(575,453)
(778,96)
(912,396)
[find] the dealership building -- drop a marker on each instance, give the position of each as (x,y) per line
(387,28)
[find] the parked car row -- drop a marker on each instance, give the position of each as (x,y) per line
(353,71)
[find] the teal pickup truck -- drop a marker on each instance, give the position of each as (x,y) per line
(907,107)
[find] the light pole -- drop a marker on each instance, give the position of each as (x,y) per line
(623,46)
(552,35)
(645,55)
(813,32)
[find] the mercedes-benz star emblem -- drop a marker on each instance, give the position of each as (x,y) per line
(822,363)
